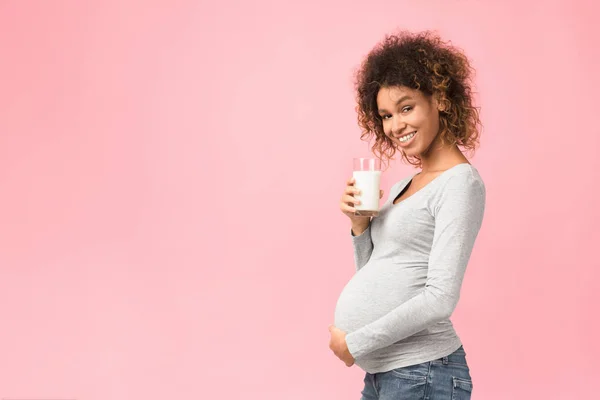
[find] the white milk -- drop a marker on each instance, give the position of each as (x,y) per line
(368,183)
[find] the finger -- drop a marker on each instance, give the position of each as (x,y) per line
(380,194)
(345,207)
(350,200)
(351,190)
(350,182)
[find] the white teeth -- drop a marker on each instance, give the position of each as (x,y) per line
(407,137)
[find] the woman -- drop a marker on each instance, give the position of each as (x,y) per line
(392,318)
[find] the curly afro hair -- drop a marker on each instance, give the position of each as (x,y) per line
(420,61)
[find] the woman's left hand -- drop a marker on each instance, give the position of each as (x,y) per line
(338,345)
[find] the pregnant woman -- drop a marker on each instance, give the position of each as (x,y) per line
(392,318)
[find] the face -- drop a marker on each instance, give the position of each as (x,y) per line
(410,118)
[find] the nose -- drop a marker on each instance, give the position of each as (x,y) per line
(397,125)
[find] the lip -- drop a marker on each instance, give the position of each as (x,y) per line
(407,143)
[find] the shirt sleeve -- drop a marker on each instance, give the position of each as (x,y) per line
(458,217)
(363,247)
(363,243)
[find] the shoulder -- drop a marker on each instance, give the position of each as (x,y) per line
(465,177)
(461,184)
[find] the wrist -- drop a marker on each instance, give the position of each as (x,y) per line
(359,226)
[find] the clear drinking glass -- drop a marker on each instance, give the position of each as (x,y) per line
(367,176)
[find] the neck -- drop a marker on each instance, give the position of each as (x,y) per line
(441,157)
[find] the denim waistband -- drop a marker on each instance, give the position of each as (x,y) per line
(457,357)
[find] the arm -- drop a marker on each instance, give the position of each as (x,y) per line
(363,246)
(361,238)
(458,217)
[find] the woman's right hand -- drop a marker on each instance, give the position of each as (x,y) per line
(349,201)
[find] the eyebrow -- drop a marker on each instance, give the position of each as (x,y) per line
(381,110)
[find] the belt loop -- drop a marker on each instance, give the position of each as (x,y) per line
(445,360)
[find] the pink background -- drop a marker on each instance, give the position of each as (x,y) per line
(170,174)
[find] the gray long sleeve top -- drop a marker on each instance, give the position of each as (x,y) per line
(410,265)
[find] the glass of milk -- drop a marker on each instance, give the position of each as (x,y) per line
(367,176)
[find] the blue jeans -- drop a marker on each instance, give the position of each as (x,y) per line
(446,378)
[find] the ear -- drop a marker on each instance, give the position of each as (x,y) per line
(439,105)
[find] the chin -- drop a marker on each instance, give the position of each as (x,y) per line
(412,152)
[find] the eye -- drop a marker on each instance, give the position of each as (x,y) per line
(406,109)
(386,116)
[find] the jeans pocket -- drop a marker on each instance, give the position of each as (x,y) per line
(462,388)
(403,383)
(399,373)
(417,373)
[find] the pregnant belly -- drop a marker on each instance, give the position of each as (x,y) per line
(374,291)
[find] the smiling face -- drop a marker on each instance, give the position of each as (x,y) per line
(410,119)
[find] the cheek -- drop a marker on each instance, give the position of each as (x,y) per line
(417,120)
(426,124)
(433,125)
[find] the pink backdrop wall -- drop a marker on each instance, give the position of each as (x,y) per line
(169,182)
